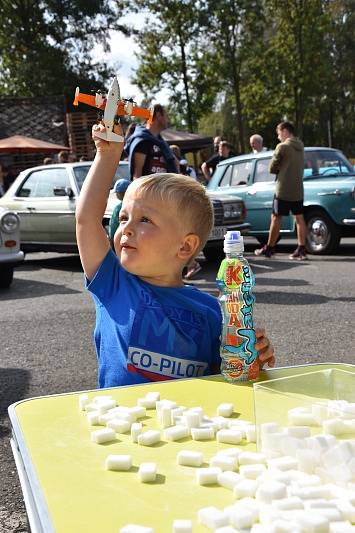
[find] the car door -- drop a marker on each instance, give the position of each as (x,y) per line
(47,213)
(259,198)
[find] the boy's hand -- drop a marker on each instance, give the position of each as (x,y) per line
(264,348)
(105,146)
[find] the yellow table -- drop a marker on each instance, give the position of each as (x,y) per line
(66,487)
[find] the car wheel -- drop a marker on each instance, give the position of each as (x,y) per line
(214,254)
(6,276)
(323,236)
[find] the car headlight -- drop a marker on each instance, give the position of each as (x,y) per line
(233,210)
(10,222)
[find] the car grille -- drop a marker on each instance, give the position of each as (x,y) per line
(218,212)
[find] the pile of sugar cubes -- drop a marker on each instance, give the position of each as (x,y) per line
(299,482)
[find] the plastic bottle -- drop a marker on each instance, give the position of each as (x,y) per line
(235,281)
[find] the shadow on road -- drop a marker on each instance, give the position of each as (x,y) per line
(69,263)
(14,384)
(22,289)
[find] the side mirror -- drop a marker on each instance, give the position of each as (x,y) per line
(69,192)
(64,191)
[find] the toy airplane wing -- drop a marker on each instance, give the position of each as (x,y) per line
(112,105)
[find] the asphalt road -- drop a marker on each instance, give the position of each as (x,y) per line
(47,319)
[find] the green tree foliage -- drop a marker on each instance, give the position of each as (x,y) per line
(45,46)
(170,57)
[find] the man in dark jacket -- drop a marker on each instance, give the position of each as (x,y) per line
(288,164)
(147,151)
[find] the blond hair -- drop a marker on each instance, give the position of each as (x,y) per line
(188,196)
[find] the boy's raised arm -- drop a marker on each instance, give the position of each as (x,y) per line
(91,236)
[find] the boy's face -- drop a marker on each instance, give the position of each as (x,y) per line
(150,240)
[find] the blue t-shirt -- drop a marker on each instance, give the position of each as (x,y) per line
(148,333)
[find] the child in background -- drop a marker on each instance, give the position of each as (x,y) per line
(149,326)
(119,188)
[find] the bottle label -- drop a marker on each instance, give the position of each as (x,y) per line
(238,352)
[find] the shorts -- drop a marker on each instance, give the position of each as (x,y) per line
(283,207)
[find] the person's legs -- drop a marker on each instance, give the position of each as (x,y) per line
(301,229)
(274,230)
(192,269)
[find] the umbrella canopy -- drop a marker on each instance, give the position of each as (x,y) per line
(21,144)
(188,142)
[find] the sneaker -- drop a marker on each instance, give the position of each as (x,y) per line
(266,250)
(193,271)
(299,254)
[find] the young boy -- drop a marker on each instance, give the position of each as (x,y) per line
(149,326)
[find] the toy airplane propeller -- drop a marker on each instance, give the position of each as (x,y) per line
(113,107)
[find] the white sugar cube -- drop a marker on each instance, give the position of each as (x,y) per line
(164,417)
(166,403)
(177,412)
(283,463)
(271,490)
(83,401)
(206,433)
(136,430)
(147,472)
(284,526)
(189,458)
(220,422)
(299,432)
(225,409)
(228,479)
(118,462)
(91,407)
(207,476)
(314,523)
(182,526)
(242,518)
(288,504)
(269,427)
(341,527)
(229,436)
(103,435)
(191,419)
(252,471)
(137,411)
(231,452)
(245,488)
(146,403)
(148,438)
(176,432)
(105,405)
(212,518)
(134,528)
(307,460)
(301,416)
(225,529)
(93,418)
(103,399)
(249,458)
(334,426)
(119,426)
(250,433)
(224,462)
(152,395)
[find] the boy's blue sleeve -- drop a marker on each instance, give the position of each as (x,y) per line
(105,283)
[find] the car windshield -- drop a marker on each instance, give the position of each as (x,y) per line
(81,172)
(320,163)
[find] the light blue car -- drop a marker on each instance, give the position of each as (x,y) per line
(329,195)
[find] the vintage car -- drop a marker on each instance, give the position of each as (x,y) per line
(329,195)
(45,197)
(10,253)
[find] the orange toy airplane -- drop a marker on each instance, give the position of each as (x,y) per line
(112,106)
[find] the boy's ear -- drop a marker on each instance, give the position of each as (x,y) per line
(189,246)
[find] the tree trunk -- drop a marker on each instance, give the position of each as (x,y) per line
(189,115)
